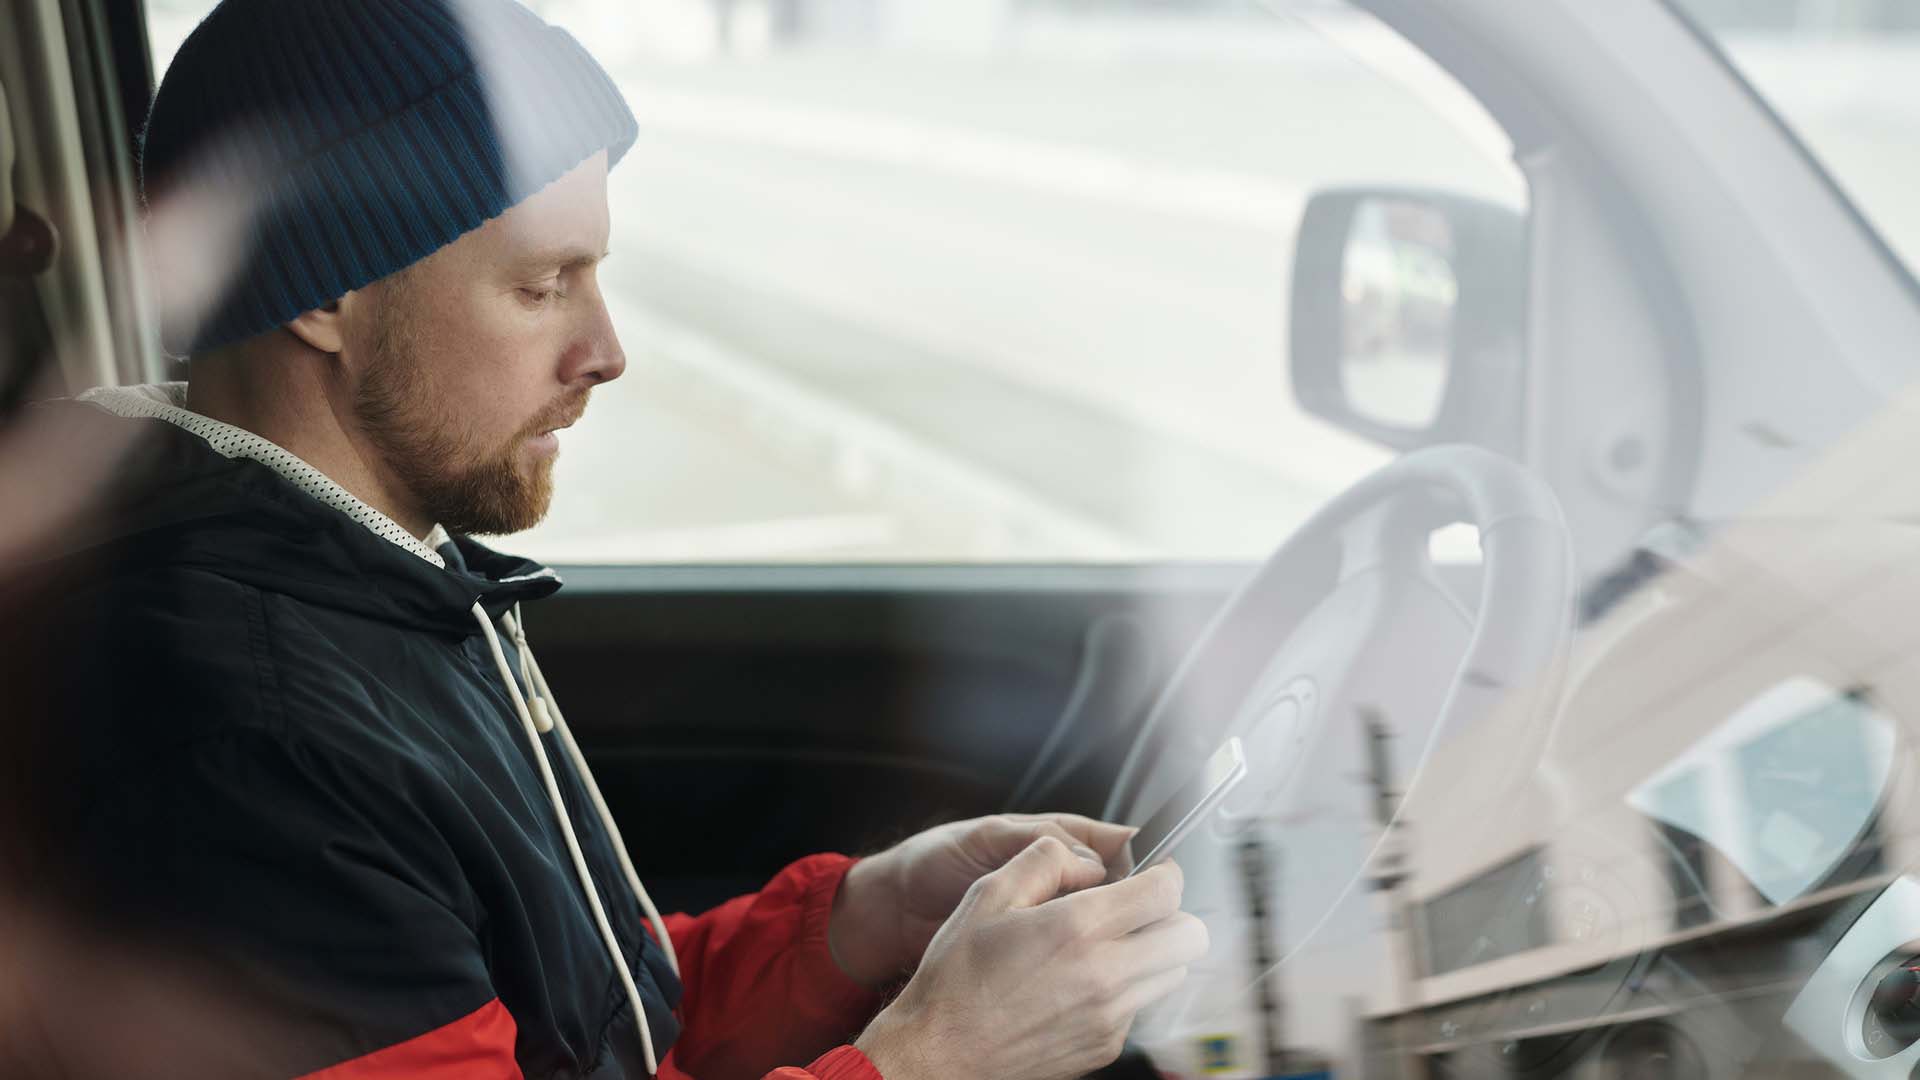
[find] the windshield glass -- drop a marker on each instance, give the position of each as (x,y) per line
(1003,286)
(1845,74)
(1089,288)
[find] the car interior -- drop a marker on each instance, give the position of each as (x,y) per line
(1574,707)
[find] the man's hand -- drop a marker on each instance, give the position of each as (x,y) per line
(890,905)
(1026,982)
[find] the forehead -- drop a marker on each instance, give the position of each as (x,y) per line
(564,222)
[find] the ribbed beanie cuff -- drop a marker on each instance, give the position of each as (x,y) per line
(343,173)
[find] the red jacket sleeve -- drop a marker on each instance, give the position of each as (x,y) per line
(761,989)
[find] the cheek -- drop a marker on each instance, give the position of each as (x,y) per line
(489,377)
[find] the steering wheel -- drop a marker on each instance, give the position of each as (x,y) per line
(1348,628)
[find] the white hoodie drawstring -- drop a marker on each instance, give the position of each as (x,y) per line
(585,876)
(545,705)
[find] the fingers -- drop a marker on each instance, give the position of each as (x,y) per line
(1110,911)
(1043,870)
(1143,992)
(1177,941)
(1105,837)
(1002,837)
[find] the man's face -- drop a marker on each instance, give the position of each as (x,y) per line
(474,356)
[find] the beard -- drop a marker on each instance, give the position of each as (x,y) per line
(468,485)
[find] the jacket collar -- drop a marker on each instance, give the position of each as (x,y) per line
(208,495)
(168,401)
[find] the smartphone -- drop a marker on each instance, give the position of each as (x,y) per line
(1163,830)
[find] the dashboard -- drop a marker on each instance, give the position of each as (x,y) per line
(1860,1010)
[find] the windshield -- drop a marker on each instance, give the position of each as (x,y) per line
(1002,286)
(1620,784)
(1845,75)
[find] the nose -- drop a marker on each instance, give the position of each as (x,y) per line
(600,359)
(611,360)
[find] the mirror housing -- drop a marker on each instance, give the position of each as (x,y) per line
(1472,263)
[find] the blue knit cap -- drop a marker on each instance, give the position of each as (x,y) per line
(348,139)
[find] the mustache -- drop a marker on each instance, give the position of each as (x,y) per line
(559,414)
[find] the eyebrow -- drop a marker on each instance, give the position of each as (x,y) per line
(566,258)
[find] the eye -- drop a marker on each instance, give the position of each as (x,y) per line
(537,295)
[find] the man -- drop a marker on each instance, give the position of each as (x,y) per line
(307,768)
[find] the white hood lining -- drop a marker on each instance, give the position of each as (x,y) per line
(167,401)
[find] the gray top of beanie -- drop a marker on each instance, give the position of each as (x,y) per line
(324,144)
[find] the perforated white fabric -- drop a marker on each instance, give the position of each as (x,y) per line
(167,401)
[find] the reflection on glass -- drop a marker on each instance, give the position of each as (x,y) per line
(1687,873)
(1785,788)
(1398,293)
(1843,73)
(1497,913)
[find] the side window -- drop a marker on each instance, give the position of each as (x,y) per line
(1001,280)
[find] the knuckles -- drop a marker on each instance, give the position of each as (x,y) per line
(999,888)
(1100,988)
(1052,848)
(1167,889)
(1078,923)
(1115,1021)
(1195,939)
(1115,1041)
(1053,851)
(986,888)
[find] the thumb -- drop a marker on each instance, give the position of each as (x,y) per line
(1045,869)
(1003,837)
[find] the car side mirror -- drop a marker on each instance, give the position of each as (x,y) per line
(1408,316)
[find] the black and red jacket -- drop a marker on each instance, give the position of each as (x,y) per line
(287,763)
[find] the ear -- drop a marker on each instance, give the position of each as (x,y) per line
(320,328)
